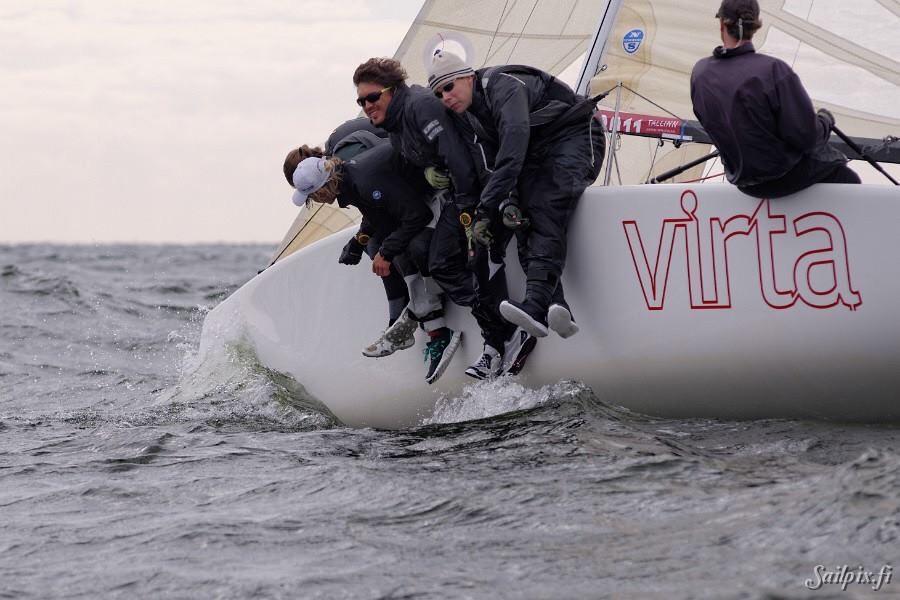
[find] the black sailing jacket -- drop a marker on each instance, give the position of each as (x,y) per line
(422,133)
(515,109)
(758,115)
(389,197)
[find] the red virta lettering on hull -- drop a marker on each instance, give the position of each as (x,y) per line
(706,242)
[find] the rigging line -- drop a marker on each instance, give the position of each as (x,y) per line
(652,102)
(653,160)
(565,59)
(704,178)
(299,231)
(534,6)
(569,18)
(618,172)
(494,36)
(799,41)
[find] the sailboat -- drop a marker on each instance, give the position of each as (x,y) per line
(693,299)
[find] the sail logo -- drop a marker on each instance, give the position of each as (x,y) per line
(632,40)
(818,277)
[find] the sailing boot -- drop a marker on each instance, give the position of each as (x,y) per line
(516,351)
(526,315)
(531,313)
(559,315)
(439,351)
(488,365)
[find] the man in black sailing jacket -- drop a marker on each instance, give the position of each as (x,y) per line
(395,223)
(771,141)
(420,129)
(546,149)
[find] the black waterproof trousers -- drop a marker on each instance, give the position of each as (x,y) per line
(554,177)
(469,282)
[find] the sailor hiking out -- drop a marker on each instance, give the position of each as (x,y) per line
(759,116)
(421,130)
(394,231)
(544,148)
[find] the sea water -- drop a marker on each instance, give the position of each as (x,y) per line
(131,468)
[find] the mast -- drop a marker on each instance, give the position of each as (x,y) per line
(595,51)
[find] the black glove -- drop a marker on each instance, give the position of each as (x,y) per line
(827,118)
(513,218)
(352,252)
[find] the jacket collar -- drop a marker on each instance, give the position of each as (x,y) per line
(722,52)
(395,109)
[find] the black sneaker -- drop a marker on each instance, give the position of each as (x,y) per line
(559,317)
(488,365)
(438,353)
(517,350)
(525,316)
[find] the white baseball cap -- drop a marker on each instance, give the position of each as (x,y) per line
(309,177)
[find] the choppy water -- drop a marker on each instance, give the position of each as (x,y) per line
(129,469)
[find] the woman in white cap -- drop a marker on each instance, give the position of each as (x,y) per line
(395,219)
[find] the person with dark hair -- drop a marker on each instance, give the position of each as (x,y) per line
(548,149)
(771,141)
(395,231)
(420,129)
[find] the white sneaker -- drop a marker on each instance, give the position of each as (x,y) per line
(488,365)
(516,351)
(560,320)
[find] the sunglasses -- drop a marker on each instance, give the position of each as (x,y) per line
(371,98)
(446,88)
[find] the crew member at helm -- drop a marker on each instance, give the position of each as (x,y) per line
(771,141)
(547,149)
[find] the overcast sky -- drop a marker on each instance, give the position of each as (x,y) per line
(168,121)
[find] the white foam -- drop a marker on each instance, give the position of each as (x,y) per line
(485,399)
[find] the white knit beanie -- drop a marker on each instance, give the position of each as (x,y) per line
(446,67)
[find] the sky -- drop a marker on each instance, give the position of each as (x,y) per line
(168,121)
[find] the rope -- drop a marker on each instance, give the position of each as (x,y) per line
(493,37)
(659,145)
(299,231)
(704,178)
(534,6)
(651,102)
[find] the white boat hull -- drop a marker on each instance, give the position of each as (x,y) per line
(693,301)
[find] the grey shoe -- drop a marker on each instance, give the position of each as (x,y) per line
(488,365)
(398,336)
(559,317)
(525,316)
(402,329)
(383,347)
